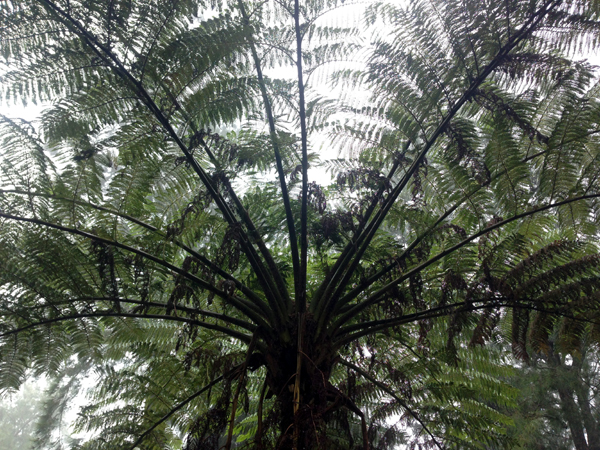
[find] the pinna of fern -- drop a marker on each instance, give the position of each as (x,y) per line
(159,222)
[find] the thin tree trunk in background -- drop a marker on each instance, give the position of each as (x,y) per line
(592,427)
(573,417)
(568,404)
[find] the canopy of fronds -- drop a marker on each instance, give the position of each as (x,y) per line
(162,232)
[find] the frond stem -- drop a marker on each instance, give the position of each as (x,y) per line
(234,301)
(337,270)
(390,392)
(366,238)
(278,160)
(301,298)
(227,319)
(375,326)
(376,296)
(243,214)
(182,404)
(106,54)
(211,326)
(204,260)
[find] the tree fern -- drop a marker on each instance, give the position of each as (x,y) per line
(161,232)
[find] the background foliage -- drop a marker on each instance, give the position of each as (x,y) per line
(18,417)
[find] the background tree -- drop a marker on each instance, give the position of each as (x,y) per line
(160,230)
(18,416)
(558,397)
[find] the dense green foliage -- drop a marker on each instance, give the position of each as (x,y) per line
(160,231)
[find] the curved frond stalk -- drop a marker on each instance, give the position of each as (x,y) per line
(243,214)
(364,240)
(105,54)
(346,255)
(374,327)
(252,296)
(278,160)
(230,299)
(376,296)
(227,331)
(181,405)
(393,395)
(180,308)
